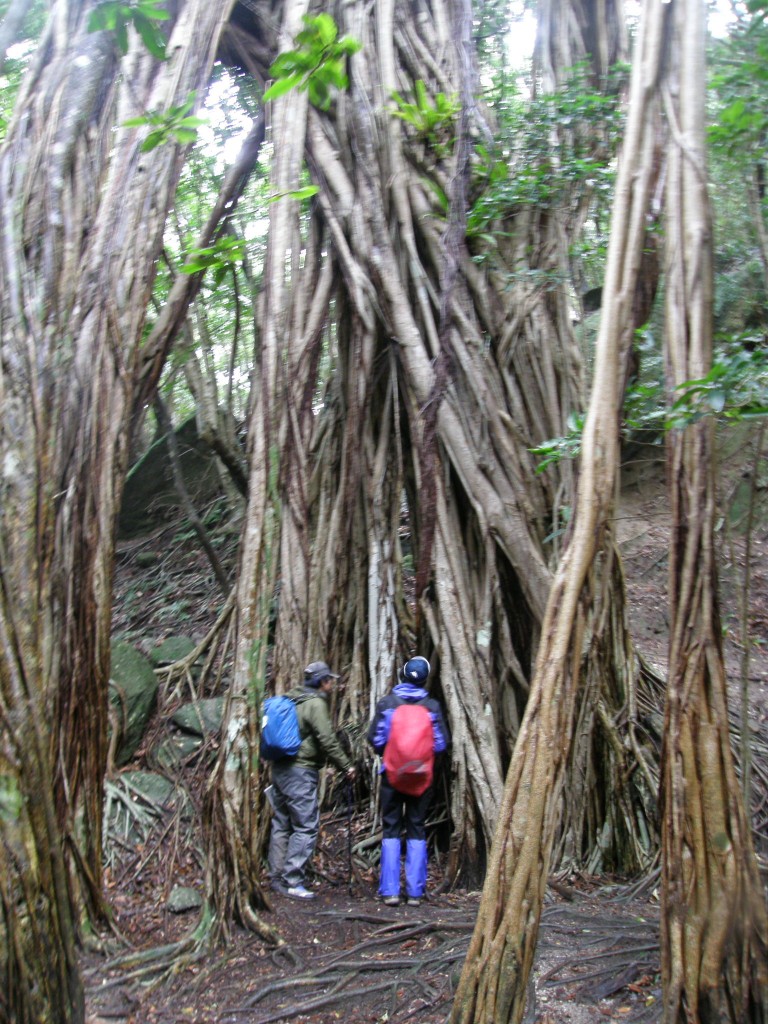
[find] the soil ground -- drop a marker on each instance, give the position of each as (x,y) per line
(345,956)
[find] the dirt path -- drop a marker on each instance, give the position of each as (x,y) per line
(346,957)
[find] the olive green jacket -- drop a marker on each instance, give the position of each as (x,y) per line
(319,743)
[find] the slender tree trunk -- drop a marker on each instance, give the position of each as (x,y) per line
(236,829)
(495,976)
(714,921)
(81,228)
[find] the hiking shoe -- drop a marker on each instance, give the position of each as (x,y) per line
(277,886)
(391,901)
(414,901)
(298,892)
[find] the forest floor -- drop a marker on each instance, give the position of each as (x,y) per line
(345,956)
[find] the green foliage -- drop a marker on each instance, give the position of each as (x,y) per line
(173,125)
(433,121)
(15,60)
(644,407)
(117,15)
(558,448)
(738,110)
(225,253)
(316,65)
(736,388)
(739,83)
(297,193)
(549,147)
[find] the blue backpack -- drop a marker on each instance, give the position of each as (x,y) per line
(280,735)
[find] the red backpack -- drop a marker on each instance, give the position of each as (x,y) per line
(409,758)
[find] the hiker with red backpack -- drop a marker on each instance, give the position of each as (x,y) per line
(407,730)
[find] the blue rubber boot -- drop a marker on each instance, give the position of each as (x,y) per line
(415,869)
(389,878)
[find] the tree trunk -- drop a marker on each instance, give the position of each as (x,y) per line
(714,922)
(495,976)
(463,369)
(236,828)
(83,216)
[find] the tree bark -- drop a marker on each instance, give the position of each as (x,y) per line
(464,369)
(495,977)
(83,214)
(237,829)
(714,922)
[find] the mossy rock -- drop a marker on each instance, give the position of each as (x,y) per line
(150,495)
(201,718)
(171,650)
(133,693)
(156,788)
(176,749)
(183,899)
(138,802)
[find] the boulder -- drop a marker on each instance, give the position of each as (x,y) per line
(172,649)
(133,694)
(201,718)
(150,495)
(183,898)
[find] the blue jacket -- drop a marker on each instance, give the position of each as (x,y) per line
(378,732)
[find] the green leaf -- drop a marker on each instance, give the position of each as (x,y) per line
(121,36)
(299,193)
(421,94)
(193,121)
(154,9)
(285,64)
(138,122)
(319,95)
(304,193)
(185,135)
(717,400)
(150,36)
(325,27)
(282,86)
(103,18)
(152,141)
(348,45)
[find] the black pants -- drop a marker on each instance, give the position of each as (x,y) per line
(398,808)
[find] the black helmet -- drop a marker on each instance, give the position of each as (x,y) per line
(415,670)
(316,673)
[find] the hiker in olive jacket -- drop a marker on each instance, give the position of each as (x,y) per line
(296,813)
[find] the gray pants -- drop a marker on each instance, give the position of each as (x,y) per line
(295,822)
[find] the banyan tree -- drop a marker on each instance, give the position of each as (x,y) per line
(448,351)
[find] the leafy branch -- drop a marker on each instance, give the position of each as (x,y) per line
(735,389)
(175,124)
(316,65)
(432,121)
(219,258)
(117,15)
(559,448)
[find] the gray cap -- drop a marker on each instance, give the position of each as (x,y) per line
(316,672)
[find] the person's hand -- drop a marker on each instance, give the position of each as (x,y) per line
(351,773)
